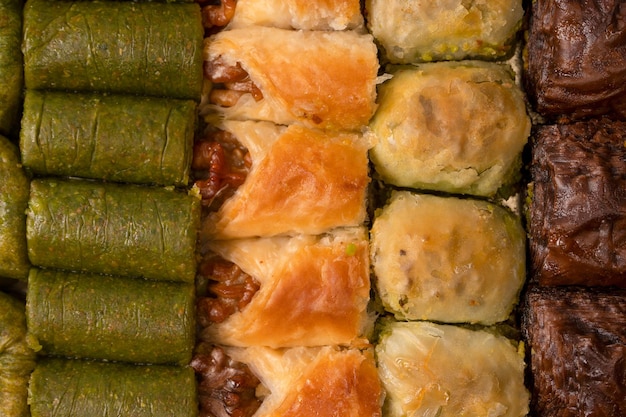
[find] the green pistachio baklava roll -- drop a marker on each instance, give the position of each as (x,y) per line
(17,360)
(109,228)
(11,73)
(14,185)
(65,387)
(126,47)
(111,318)
(124,138)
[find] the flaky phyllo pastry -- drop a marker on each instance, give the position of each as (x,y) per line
(315,78)
(298,14)
(456,127)
(289,291)
(300,180)
(301,381)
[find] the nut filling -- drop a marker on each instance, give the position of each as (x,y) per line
(226,388)
(220,165)
(216,16)
(227,289)
(230,83)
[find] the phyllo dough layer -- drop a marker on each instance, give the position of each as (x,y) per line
(315,78)
(447,259)
(453,127)
(434,30)
(577,340)
(298,382)
(301,181)
(577,204)
(312,291)
(298,14)
(430,369)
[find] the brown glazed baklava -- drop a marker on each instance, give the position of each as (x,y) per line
(577,340)
(578,204)
(576,57)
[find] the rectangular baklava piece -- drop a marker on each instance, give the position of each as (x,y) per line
(577,204)
(447,259)
(319,79)
(456,127)
(296,382)
(431,369)
(577,342)
(576,58)
(286,291)
(261,179)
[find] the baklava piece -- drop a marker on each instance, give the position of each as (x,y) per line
(447,259)
(299,14)
(297,382)
(577,204)
(422,31)
(451,127)
(294,180)
(430,369)
(286,291)
(576,58)
(577,340)
(320,79)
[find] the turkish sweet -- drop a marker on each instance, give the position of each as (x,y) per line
(11,60)
(452,127)
(109,228)
(296,382)
(576,58)
(17,359)
(577,204)
(14,192)
(145,48)
(442,370)
(577,340)
(111,318)
(286,291)
(298,14)
(447,259)
(67,388)
(120,138)
(319,79)
(422,31)
(300,180)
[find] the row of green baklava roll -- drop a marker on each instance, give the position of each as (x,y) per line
(104,225)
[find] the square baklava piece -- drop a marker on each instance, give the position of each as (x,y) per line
(576,57)
(577,204)
(577,340)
